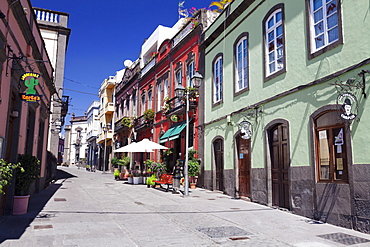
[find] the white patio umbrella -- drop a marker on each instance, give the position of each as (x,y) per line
(147,144)
(133,148)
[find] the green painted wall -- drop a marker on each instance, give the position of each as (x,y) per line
(297,107)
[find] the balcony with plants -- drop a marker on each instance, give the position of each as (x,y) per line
(144,121)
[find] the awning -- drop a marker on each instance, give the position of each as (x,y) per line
(173,132)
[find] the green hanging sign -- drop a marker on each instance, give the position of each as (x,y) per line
(30,80)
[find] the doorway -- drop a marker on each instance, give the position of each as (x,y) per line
(218,150)
(244,164)
(278,141)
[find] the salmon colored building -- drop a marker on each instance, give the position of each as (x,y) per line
(26,87)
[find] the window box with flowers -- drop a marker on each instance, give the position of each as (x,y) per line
(128,122)
(166,105)
(149,115)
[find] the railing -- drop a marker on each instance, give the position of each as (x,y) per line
(176,105)
(141,122)
(183,33)
(148,66)
(47,15)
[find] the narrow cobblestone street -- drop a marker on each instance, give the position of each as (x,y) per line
(92,209)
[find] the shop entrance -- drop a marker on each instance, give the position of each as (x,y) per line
(219,164)
(278,138)
(244,165)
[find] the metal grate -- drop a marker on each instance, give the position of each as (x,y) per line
(223,231)
(343,238)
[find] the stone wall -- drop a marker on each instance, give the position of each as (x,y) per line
(259,185)
(361,194)
(302,189)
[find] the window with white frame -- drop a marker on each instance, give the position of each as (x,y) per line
(143,103)
(274,42)
(165,89)
(134,103)
(189,73)
(178,77)
(324,23)
(150,100)
(241,64)
(217,79)
(159,97)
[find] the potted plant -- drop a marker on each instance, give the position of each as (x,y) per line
(116,174)
(25,176)
(193,168)
(148,115)
(6,174)
(123,163)
(128,122)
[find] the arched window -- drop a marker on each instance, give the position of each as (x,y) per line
(273,26)
(218,80)
(241,64)
(331,148)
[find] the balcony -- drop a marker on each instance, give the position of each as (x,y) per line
(148,66)
(178,106)
(109,107)
(102,136)
(142,123)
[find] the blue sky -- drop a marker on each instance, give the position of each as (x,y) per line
(104,34)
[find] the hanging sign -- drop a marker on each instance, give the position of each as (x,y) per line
(30,80)
(174,118)
(245,129)
(349,106)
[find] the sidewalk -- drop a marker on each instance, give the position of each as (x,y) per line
(92,209)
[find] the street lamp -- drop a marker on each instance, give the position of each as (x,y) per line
(181,92)
(105,146)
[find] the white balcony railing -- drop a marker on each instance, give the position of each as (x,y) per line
(148,66)
(45,15)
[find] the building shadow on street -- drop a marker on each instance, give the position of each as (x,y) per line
(12,227)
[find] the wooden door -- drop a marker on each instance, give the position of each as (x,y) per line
(244,166)
(279,165)
(219,164)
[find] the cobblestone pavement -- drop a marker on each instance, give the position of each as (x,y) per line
(92,209)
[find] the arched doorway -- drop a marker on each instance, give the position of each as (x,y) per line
(278,141)
(244,165)
(218,151)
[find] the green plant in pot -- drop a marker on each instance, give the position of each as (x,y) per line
(6,174)
(149,115)
(25,176)
(193,168)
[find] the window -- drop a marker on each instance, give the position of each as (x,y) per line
(178,77)
(165,89)
(134,103)
(217,79)
(189,73)
(241,64)
(274,42)
(159,97)
(324,25)
(142,103)
(150,100)
(128,106)
(331,157)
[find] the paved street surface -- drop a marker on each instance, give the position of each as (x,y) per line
(92,209)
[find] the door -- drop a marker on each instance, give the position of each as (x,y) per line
(219,164)
(279,165)
(244,166)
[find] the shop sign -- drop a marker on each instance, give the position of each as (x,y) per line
(245,129)
(30,80)
(349,106)
(174,118)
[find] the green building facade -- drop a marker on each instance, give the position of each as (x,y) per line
(286,107)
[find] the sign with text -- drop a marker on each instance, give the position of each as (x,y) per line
(30,80)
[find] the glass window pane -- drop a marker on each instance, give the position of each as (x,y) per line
(279,16)
(279,41)
(331,8)
(332,21)
(319,28)
(271,57)
(280,52)
(270,22)
(279,30)
(271,36)
(317,4)
(280,63)
(333,35)
(272,67)
(271,46)
(319,41)
(318,16)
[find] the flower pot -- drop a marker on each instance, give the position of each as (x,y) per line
(20,205)
(144,180)
(193,185)
(136,180)
(141,179)
(130,180)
